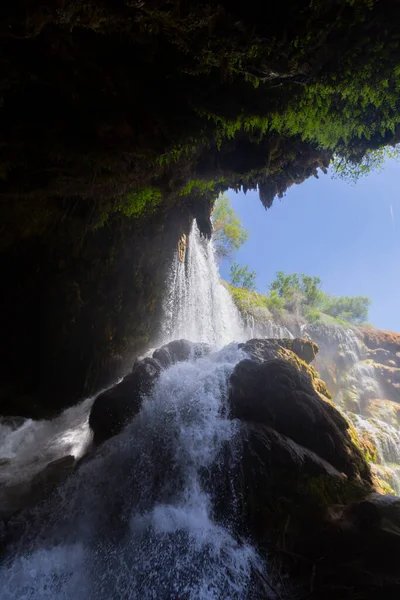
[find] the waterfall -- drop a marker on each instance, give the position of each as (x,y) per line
(136,520)
(357,386)
(198,307)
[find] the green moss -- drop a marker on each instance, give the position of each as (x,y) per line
(245,300)
(139,202)
(199,186)
(313,315)
(364,444)
(385,486)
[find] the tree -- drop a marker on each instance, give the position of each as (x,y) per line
(302,294)
(296,289)
(228,233)
(348,308)
(241,277)
(372,160)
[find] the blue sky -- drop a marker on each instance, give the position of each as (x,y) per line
(349,235)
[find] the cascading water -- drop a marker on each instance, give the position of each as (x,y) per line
(198,307)
(137,519)
(357,386)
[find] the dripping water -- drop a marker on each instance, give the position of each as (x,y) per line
(198,307)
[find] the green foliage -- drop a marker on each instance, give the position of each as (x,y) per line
(373,160)
(313,315)
(329,113)
(138,202)
(228,233)
(199,186)
(247,299)
(275,303)
(302,293)
(241,277)
(297,289)
(352,309)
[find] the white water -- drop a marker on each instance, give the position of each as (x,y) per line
(265,329)
(357,385)
(25,450)
(198,307)
(136,521)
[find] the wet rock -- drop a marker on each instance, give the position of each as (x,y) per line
(179,351)
(377,510)
(304,487)
(380,339)
(266,349)
(379,355)
(115,407)
(359,546)
(14,498)
(276,394)
(389,380)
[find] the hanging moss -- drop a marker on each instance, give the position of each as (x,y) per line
(140,202)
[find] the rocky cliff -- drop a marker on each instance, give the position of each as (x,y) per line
(361,368)
(121,121)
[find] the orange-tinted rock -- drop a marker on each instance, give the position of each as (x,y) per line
(380,338)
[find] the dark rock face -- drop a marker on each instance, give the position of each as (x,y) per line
(91,304)
(179,351)
(115,407)
(276,394)
(262,350)
(305,487)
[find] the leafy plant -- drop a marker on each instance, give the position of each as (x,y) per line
(347,308)
(373,160)
(228,233)
(139,201)
(302,294)
(241,277)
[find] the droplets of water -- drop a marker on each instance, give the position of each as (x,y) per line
(137,521)
(197,306)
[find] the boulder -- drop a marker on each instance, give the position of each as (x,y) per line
(380,339)
(275,393)
(179,351)
(115,407)
(305,491)
(262,350)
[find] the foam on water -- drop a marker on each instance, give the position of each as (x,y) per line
(26,449)
(137,520)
